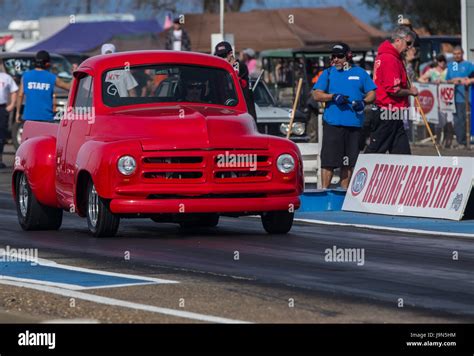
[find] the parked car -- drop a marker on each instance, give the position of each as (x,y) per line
(273,119)
(187,154)
(16,64)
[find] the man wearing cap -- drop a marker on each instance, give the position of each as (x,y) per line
(8,94)
(37,85)
(225,51)
(177,38)
(346,90)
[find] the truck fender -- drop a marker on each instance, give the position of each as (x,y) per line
(96,160)
(36,157)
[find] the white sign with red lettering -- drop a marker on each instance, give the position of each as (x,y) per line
(446,98)
(428,98)
(421,186)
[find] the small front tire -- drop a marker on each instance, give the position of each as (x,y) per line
(100,220)
(277,222)
(201,221)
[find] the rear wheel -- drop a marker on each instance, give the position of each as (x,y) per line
(201,220)
(32,215)
(100,220)
(277,222)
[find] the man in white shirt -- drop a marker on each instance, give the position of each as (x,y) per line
(8,94)
(122,80)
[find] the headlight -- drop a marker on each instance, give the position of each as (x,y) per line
(127,165)
(285,163)
(298,128)
(284,128)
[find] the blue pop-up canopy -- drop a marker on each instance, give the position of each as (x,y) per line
(86,36)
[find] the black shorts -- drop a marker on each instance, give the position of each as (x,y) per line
(387,135)
(340,146)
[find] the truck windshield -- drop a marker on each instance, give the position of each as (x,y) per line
(168,83)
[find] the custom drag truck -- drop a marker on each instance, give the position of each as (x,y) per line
(155,134)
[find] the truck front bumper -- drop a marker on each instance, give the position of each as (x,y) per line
(204,205)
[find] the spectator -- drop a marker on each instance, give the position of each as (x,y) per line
(437,75)
(459,72)
(37,85)
(177,38)
(345,90)
(387,129)
(120,81)
(225,51)
(8,94)
(248,57)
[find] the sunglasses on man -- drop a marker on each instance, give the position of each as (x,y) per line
(409,43)
(339,56)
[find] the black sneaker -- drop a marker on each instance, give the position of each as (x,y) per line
(3,165)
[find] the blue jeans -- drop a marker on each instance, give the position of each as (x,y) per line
(460,123)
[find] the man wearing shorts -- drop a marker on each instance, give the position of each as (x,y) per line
(346,90)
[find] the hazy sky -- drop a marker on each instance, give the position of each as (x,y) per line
(33,9)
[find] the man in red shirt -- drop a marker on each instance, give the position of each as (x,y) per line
(391,104)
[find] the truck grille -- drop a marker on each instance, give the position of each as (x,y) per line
(192,167)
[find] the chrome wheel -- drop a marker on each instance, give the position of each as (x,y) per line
(19,134)
(23,195)
(93,206)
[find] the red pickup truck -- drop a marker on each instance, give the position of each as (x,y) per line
(155,134)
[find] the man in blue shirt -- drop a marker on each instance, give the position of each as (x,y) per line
(37,85)
(345,90)
(458,73)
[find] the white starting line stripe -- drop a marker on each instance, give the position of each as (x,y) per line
(121,303)
(386,228)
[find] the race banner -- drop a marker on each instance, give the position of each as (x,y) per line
(428,98)
(446,98)
(420,186)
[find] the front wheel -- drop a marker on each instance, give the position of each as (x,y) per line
(100,220)
(32,215)
(277,222)
(201,220)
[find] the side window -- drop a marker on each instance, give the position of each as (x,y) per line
(83,94)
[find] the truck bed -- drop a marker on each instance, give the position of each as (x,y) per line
(39,128)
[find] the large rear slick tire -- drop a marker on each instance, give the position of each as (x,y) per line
(32,215)
(100,220)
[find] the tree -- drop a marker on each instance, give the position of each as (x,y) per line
(437,16)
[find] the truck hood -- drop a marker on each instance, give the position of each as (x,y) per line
(188,127)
